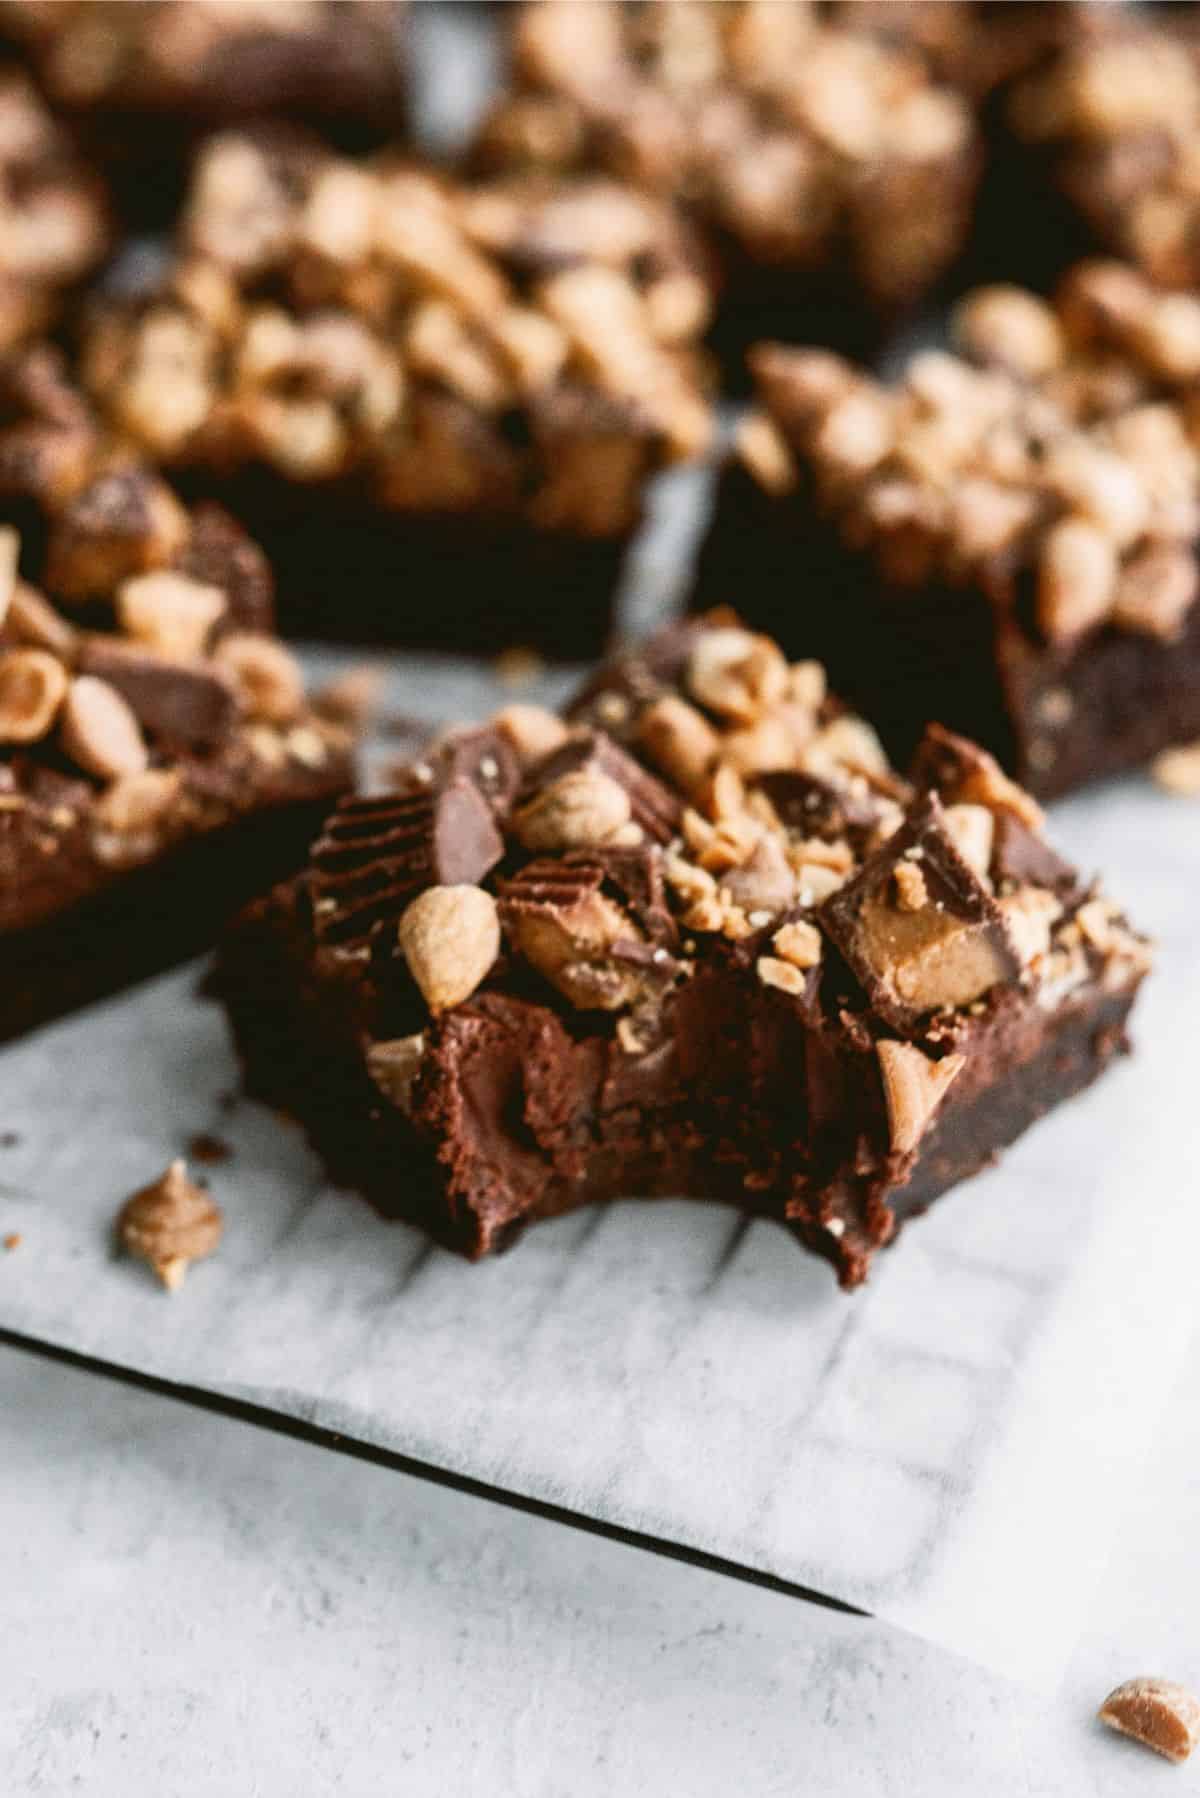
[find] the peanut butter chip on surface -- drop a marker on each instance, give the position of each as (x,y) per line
(99,730)
(450,937)
(1156,1712)
(170,1224)
(913,1086)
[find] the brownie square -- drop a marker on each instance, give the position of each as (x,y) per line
(159,761)
(438,406)
(828,164)
(1003,540)
(693,938)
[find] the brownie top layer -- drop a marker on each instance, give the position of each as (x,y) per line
(1051,461)
(211,58)
(148,698)
(702,806)
(1118,114)
(795,136)
(53,226)
(521,344)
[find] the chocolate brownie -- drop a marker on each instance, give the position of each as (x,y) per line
(140,83)
(1004,540)
(439,406)
(158,759)
(830,169)
(53,223)
(695,938)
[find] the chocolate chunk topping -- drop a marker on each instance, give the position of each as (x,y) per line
(486,758)
(819,809)
(183,704)
(376,854)
(1023,858)
(615,696)
(220,554)
(635,875)
(919,944)
(653,807)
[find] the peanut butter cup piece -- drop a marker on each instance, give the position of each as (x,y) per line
(919,946)
(377,853)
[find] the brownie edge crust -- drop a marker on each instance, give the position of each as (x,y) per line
(693,939)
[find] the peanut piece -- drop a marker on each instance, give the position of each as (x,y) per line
(578,811)
(99,731)
(33,685)
(268,676)
(450,938)
(169,612)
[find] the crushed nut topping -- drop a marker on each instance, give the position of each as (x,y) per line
(170,1224)
(412,320)
(150,702)
(796,134)
(837,882)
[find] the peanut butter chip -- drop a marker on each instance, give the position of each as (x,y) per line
(913,1086)
(170,1224)
(450,937)
(99,730)
(33,685)
(1156,1712)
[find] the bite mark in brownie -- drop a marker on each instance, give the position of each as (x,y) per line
(780,976)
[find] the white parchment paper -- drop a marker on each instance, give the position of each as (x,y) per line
(949,1448)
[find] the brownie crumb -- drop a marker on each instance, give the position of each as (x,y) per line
(9,1139)
(208,1149)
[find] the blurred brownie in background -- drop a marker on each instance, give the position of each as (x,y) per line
(437,405)
(159,761)
(53,221)
(1005,540)
(140,82)
(830,168)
